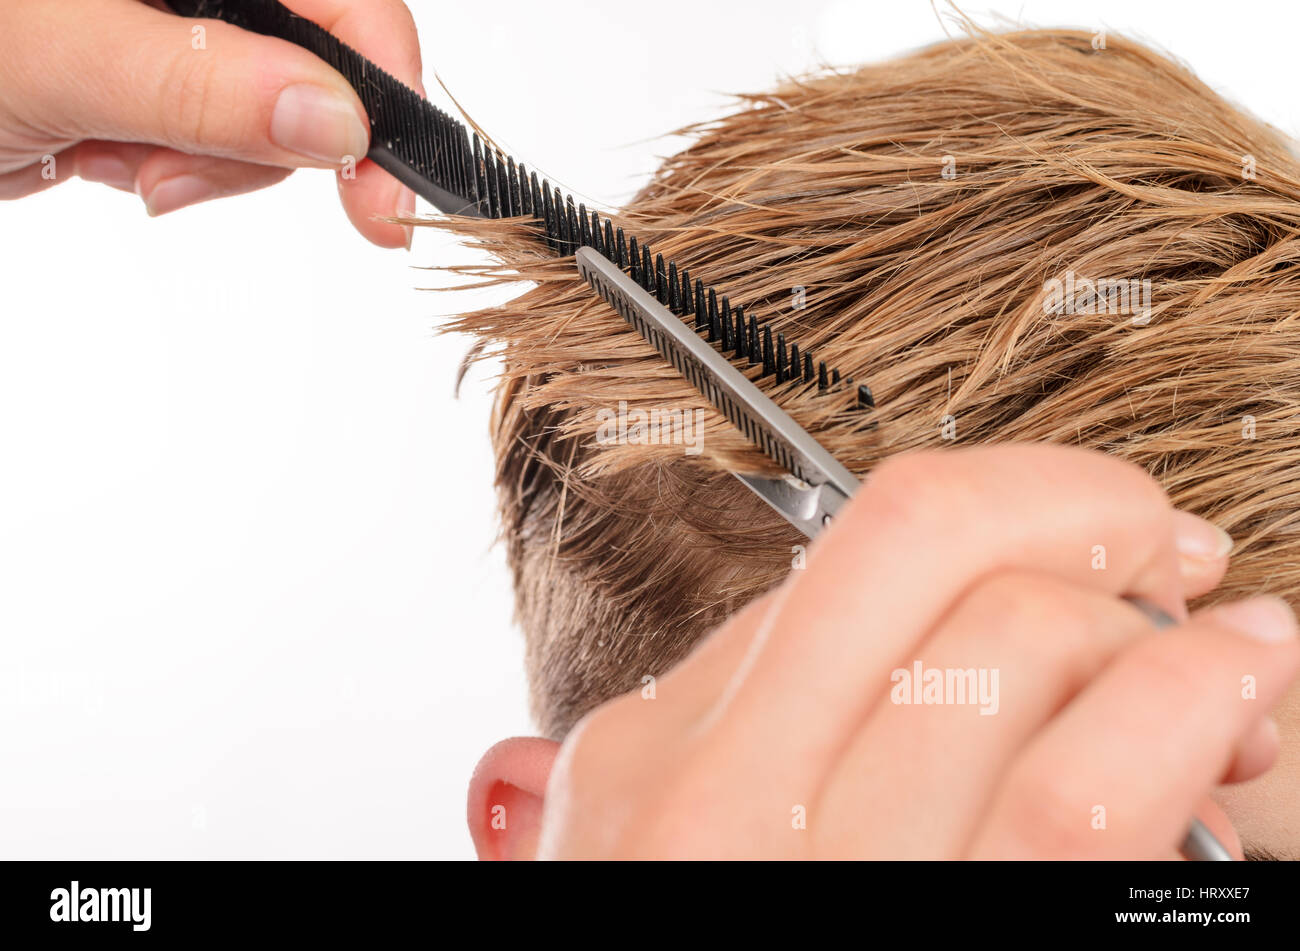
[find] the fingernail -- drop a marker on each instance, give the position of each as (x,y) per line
(318,123)
(107,170)
(1265,618)
(177,192)
(1197,538)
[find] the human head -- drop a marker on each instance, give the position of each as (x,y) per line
(930,225)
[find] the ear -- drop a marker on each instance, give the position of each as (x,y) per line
(506,795)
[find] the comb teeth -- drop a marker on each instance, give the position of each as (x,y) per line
(714,316)
(749,423)
(436,156)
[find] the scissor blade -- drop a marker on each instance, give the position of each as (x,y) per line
(827,484)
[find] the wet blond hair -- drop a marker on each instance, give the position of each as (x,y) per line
(928,225)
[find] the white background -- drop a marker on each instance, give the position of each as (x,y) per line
(250,604)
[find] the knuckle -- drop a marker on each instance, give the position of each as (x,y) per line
(1014,621)
(918,491)
(189,99)
(1036,614)
(1133,488)
(1020,606)
(1018,595)
(1172,671)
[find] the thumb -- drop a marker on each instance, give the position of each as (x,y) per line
(206,87)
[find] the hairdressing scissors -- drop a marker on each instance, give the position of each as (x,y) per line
(816,486)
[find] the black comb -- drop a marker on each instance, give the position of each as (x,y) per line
(436,157)
(731,392)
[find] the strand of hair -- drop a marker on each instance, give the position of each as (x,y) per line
(502,188)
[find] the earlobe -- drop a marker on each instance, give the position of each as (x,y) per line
(506,795)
